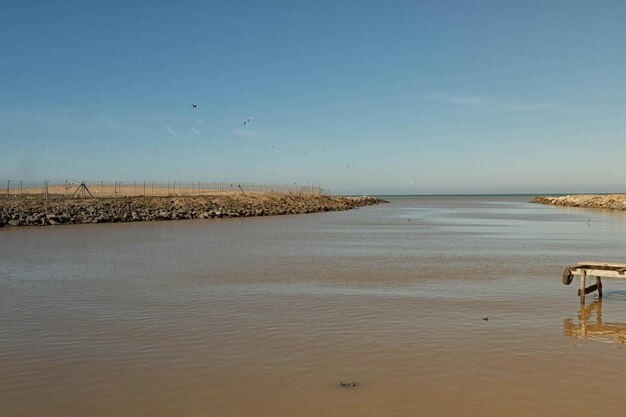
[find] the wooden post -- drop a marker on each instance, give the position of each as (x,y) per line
(583,275)
(599,285)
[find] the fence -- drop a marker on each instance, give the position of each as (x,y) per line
(13,189)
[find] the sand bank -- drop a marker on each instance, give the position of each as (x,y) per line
(127,209)
(606,201)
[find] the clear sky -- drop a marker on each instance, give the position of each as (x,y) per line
(361,96)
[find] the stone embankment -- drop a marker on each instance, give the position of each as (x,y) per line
(609,201)
(54,212)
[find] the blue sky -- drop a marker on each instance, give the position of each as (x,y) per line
(361,97)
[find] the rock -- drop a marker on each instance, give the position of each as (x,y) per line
(53,219)
(613,202)
(38,212)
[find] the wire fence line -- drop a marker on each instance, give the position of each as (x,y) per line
(14,189)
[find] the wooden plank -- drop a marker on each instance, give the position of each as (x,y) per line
(601,265)
(599,273)
(589,289)
(611,264)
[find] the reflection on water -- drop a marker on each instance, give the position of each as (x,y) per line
(591,326)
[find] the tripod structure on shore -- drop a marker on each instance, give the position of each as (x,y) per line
(238,189)
(81,191)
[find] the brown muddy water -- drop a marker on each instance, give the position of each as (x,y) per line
(264,316)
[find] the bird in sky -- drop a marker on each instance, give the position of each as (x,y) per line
(194,105)
(248,120)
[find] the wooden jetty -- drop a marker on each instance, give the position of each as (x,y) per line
(598,270)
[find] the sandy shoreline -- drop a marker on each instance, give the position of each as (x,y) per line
(75,211)
(608,201)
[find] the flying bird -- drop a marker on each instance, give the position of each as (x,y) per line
(194,105)
(248,120)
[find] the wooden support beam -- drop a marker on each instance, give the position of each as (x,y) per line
(581,291)
(589,289)
(599,285)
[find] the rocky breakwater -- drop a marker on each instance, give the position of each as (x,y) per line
(55,212)
(609,201)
